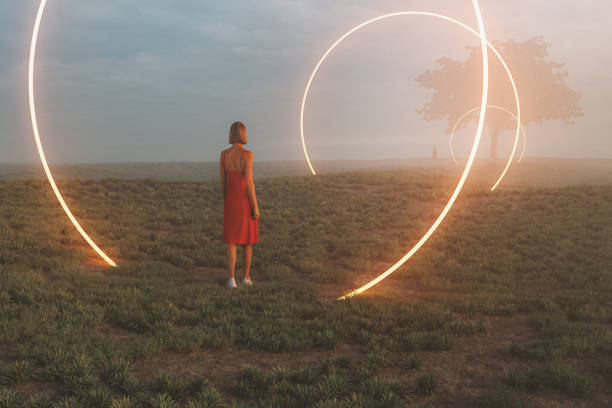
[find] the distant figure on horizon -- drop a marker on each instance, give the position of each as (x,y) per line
(240,209)
(434,155)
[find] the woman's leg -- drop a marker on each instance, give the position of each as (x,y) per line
(247,255)
(231,259)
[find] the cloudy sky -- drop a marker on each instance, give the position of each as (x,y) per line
(159,80)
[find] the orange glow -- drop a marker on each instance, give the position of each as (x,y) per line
(485,88)
(41,152)
(452,150)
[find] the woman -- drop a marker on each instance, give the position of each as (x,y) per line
(240,210)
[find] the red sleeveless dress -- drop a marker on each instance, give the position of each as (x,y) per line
(239,227)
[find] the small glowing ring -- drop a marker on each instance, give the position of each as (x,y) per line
(39,145)
(485,89)
(452,151)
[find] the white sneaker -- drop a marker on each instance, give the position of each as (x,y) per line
(231,283)
(247,282)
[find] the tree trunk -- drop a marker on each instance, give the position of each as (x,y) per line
(494,143)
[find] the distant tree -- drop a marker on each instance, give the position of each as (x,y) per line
(543,93)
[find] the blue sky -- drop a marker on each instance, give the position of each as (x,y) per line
(121,80)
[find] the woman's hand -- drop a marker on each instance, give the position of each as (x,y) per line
(255,213)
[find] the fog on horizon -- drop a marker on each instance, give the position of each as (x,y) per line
(124,81)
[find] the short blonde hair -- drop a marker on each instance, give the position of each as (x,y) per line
(237,133)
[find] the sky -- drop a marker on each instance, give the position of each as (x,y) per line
(161,81)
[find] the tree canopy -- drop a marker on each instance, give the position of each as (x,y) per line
(542,87)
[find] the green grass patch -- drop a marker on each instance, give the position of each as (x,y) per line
(543,252)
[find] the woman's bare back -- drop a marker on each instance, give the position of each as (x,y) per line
(234,158)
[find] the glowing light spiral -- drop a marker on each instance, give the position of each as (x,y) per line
(41,152)
(452,134)
(484,46)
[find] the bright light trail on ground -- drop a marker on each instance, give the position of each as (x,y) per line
(41,152)
(466,171)
(485,89)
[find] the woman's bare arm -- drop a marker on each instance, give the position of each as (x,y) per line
(251,184)
(222,174)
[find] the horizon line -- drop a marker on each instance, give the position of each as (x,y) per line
(36,163)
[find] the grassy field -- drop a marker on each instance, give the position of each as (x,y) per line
(508,305)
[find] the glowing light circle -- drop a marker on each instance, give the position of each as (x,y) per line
(452,134)
(41,152)
(415,13)
(484,46)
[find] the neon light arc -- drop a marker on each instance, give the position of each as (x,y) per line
(41,152)
(484,45)
(452,134)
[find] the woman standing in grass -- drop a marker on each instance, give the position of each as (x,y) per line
(240,210)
